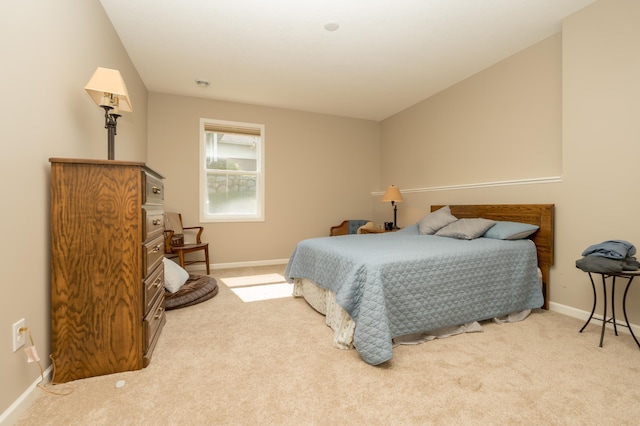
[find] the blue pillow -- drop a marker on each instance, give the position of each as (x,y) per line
(504,230)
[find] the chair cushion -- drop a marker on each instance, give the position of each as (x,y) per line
(355,224)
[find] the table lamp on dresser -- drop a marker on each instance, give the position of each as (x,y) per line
(106,87)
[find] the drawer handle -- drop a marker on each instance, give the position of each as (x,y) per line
(156,189)
(159,313)
(157,283)
(157,221)
(156,249)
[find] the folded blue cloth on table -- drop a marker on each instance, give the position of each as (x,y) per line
(612,249)
(604,265)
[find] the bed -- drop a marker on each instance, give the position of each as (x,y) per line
(377,287)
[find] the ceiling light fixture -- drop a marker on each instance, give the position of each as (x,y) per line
(202,83)
(331,26)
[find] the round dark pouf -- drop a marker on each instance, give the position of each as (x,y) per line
(197,289)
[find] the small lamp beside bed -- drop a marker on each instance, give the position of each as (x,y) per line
(393,194)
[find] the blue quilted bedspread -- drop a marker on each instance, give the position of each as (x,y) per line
(395,284)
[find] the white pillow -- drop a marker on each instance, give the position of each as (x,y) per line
(174,275)
(432,222)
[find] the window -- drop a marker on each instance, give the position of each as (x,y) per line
(232,171)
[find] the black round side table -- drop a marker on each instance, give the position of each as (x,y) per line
(629,275)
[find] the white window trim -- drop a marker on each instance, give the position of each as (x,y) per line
(260,194)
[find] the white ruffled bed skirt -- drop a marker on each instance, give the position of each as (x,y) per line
(324,301)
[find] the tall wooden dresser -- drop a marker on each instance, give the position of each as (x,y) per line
(107,275)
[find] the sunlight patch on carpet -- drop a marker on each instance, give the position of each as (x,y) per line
(253,288)
(264,292)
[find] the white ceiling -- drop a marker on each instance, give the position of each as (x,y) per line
(386,56)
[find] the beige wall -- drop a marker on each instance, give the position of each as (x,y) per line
(320,170)
(574,114)
(568,106)
(49,51)
(503,123)
(601,140)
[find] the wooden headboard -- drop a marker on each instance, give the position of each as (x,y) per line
(535,214)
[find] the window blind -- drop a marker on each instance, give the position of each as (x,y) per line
(238,130)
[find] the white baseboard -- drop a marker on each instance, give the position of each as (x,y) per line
(568,311)
(584,315)
(20,405)
(249,264)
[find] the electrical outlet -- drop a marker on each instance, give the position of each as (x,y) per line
(19,338)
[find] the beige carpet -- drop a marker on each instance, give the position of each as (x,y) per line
(271,362)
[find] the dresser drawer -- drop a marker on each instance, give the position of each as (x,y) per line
(153,322)
(153,288)
(153,222)
(152,254)
(154,189)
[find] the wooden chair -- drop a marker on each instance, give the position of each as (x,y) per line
(347,227)
(174,245)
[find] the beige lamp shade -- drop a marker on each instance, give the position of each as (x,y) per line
(106,82)
(392,195)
